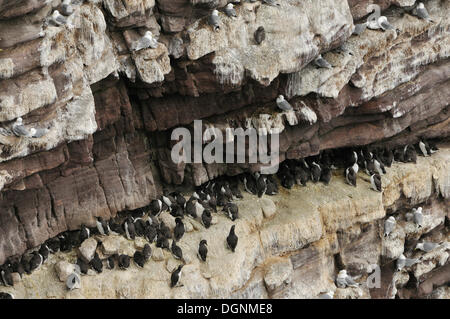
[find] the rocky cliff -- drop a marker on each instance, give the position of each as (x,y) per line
(110,112)
(290,245)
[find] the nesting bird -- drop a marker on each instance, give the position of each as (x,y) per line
(176,277)
(232,239)
(427,246)
(124,262)
(422,12)
(178,231)
(418,217)
(375,182)
(402,262)
(343,280)
(230,11)
(20,130)
(283,104)
(58,19)
(203,249)
(231,210)
(389,225)
(259,35)
(176,250)
(384,24)
(214,20)
(206,218)
(147,41)
(322,63)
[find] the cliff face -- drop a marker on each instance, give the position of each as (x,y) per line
(290,245)
(111,110)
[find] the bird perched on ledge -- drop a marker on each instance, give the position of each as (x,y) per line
(147,41)
(283,104)
(230,11)
(214,20)
(422,12)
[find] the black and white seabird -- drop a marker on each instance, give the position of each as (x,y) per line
(6,295)
(389,225)
(147,251)
(17,266)
(177,211)
(384,24)
(111,260)
(139,259)
(410,154)
(422,12)
(283,104)
(96,263)
(261,185)
(232,211)
(20,130)
(350,176)
(206,218)
(44,252)
(322,63)
(179,199)
(272,186)
(424,148)
(379,167)
(102,226)
(214,20)
(129,228)
(165,230)
(387,157)
(176,277)
(178,231)
(36,261)
(325,175)
(232,239)
(370,167)
(222,200)
(288,181)
(230,10)
(301,176)
(146,42)
(249,184)
(203,250)
(156,207)
(316,171)
(58,19)
(162,241)
(84,266)
(53,245)
(6,276)
(375,182)
(168,200)
(139,226)
(25,261)
(259,35)
(176,250)
(150,233)
(124,261)
(418,216)
(190,207)
(84,233)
